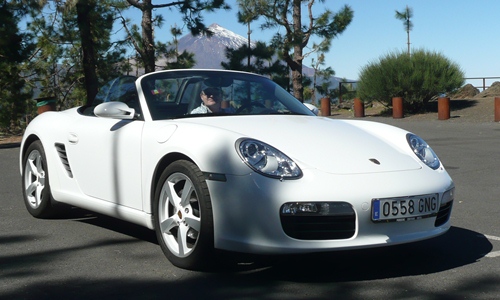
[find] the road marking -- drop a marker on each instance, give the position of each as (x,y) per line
(493,254)
(493,238)
(489,237)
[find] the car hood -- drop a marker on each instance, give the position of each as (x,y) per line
(333,146)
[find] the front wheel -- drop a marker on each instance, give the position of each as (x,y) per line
(36,188)
(183,216)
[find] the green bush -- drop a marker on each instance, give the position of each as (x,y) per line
(417,78)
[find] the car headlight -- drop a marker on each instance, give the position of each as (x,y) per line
(267,160)
(423,151)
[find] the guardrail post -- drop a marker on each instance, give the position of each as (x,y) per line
(397,107)
(497,109)
(443,108)
(359,108)
(325,107)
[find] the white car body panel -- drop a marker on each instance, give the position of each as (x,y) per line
(114,164)
(114,157)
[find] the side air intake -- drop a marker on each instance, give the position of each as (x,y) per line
(61,150)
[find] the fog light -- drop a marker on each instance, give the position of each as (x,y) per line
(321,208)
(316,209)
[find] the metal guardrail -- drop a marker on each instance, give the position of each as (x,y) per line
(484,86)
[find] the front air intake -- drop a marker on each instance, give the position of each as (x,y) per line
(443,214)
(318,220)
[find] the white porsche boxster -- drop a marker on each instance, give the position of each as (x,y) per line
(228,160)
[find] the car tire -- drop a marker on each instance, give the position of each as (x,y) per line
(183,216)
(35,182)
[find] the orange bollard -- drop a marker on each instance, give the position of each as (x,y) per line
(397,107)
(359,108)
(45,104)
(497,109)
(325,107)
(443,108)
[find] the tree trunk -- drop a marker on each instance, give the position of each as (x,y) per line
(147,37)
(298,88)
(84,10)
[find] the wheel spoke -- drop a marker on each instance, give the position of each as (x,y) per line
(32,168)
(38,195)
(167,224)
(182,240)
(193,222)
(39,168)
(186,193)
(31,188)
(172,196)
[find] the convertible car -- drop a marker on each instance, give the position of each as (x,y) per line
(228,160)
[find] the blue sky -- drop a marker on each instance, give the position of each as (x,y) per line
(465,31)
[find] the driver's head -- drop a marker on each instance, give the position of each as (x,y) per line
(211,97)
(211,92)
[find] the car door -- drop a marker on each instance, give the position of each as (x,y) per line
(105,153)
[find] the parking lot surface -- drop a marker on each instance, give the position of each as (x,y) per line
(85,255)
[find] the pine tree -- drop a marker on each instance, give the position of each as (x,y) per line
(259,58)
(191,10)
(75,54)
(286,15)
(176,60)
(15,47)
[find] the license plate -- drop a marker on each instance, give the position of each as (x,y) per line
(405,208)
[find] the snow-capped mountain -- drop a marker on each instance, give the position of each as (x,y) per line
(210,51)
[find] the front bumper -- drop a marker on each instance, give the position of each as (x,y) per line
(246,209)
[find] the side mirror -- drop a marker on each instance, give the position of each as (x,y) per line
(114,110)
(312,108)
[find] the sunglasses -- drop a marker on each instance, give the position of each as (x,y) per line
(211,95)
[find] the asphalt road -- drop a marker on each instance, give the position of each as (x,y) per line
(87,256)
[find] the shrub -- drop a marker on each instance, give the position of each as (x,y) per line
(417,78)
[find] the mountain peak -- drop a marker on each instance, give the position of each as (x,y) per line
(229,38)
(211,51)
(216,26)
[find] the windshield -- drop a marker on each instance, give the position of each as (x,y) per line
(194,93)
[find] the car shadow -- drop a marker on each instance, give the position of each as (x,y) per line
(458,247)
(77,214)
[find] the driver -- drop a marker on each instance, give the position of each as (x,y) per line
(211,102)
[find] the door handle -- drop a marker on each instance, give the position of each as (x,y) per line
(73,138)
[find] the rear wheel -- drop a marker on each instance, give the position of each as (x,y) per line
(36,188)
(183,216)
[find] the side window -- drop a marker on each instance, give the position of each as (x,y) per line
(163,97)
(190,92)
(161,90)
(120,89)
(103,93)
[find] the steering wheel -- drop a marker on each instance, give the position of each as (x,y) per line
(249,105)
